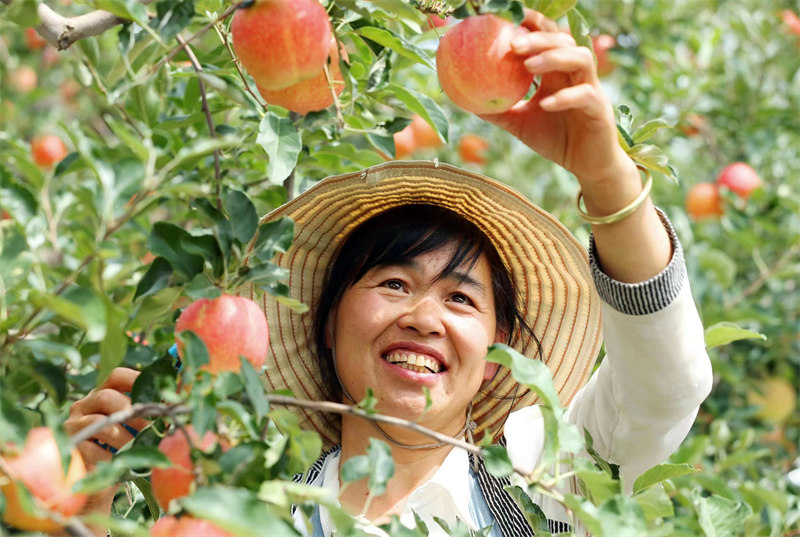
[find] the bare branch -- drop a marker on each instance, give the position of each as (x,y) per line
(139,410)
(64,31)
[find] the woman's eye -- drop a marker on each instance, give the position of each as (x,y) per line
(395,285)
(460,298)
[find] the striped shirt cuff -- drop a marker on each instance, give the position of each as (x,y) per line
(645,297)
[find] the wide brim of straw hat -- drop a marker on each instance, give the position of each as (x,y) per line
(550,268)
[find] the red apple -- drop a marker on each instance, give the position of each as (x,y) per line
(601,44)
(185,526)
(47,150)
(313,93)
(23,79)
(176,482)
(740,178)
(282,42)
(34,40)
(229,326)
(792,21)
(477,68)
(39,469)
(404,143)
(704,201)
(424,134)
(435,21)
(472,148)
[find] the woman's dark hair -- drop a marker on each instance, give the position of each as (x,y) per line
(398,235)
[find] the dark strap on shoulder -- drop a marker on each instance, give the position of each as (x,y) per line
(505,510)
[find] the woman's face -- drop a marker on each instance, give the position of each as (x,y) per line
(397,330)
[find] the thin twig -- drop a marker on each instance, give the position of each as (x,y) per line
(759,282)
(227,13)
(139,410)
(236,63)
(209,120)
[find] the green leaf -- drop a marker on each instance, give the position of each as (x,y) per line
(552,9)
(77,305)
(172,16)
(355,468)
(653,158)
(720,265)
(655,503)
(142,457)
(254,388)
(155,279)
(661,472)
(381,465)
(497,462)
(243,215)
(273,237)
(536,518)
(12,420)
(579,28)
(279,137)
(609,468)
(202,287)
(238,412)
(105,474)
(165,240)
(153,378)
(369,403)
(646,131)
(195,353)
(718,516)
(396,43)
(22,12)
(115,342)
(281,293)
(126,9)
(725,332)
(532,373)
(424,106)
(52,376)
(147,492)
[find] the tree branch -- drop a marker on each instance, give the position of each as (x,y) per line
(64,31)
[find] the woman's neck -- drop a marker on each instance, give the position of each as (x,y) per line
(412,468)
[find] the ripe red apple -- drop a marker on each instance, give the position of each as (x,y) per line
(23,79)
(424,134)
(472,148)
(282,42)
(39,469)
(601,44)
(477,68)
(313,93)
(740,178)
(229,326)
(176,482)
(792,21)
(704,201)
(404,143)
(435,21)
(34,40)
(47,150)
(185,526)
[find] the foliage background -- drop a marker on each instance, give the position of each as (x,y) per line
(79,239)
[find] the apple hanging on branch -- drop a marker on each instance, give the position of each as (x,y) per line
(282,42)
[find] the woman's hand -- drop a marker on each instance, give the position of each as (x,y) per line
(569,120)
(97,405)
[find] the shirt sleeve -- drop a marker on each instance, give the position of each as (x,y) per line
(643,398)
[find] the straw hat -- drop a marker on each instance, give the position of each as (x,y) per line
(550,268)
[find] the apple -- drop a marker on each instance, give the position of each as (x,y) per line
(477,68)
(38,467)
(23,79)
(313,93)
(435,21)
(704,201)
(47,150)
(601,44)
(229,326)
(792,21)
(775,398)
(186,526)
(404,143)
(694,124)
(740,178)
(282,42)
(34,40)
(472,148)
(424,135)
(176,482)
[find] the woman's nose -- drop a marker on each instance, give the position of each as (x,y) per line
(424,316)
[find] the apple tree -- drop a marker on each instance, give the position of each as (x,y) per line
(139,150)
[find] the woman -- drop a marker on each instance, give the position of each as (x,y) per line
(413,269)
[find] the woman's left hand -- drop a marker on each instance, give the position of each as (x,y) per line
(569,120)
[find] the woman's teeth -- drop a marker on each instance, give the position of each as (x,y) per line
(413,362)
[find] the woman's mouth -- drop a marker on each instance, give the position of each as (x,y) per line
(414,362)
